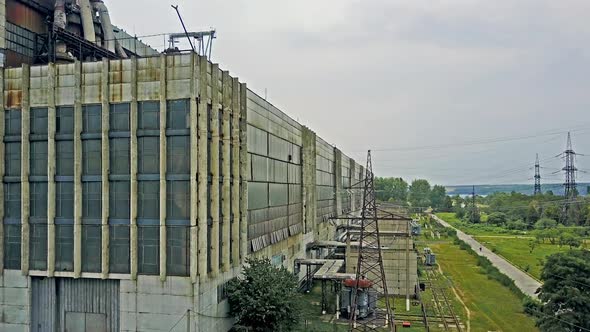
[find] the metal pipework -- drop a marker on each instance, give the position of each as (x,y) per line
(87,16)
(107,26)
(60,21)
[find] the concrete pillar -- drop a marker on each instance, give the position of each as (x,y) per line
(235,185)
(353,181)
(163,167)
(194,168)
(51,164)
(2,172)
(308,178)
(25,161)
(133,167)
(78,169)
(225,171)
(214,162)
(338,181)
(244,171)
(105,166)
(202,168)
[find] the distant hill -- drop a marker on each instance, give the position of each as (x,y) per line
(486,189)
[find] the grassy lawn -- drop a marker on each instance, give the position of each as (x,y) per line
(313,320)
(476,229)
(493,307)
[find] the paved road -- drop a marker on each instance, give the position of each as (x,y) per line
(526,283)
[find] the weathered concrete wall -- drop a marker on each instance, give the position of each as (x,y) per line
(14,301)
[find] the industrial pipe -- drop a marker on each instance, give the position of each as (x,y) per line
(86,13)
(107,26)
(60,21)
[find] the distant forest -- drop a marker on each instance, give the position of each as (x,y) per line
(527,189)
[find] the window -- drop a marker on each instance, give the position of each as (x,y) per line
(178,155)
(12,237)
(38,247)
(12,122)
(148,199)
(39,158)
(119,117)
(119,249)
(91,200)
(38,199)
(178,200)
(64,202)
(149,155)
(38,121)
(65,158)
(177,114)
(149,249)
(65,120)
(12,200)
(177,247)
(119,153)
(91,156)
(91,118)
(64,247)
(91,248)
(12,159)
(119,200)
(148,115)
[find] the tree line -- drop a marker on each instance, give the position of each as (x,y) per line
(418,194)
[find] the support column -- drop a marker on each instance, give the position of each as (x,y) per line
(51,162)
(194,251)
(133,167)
(225,171)
(163,167)
(244,171)
(105,166)
(338,181)
(202,168)
(235,165)
(2,172)
(78,169)
(308,170)
(25,160)
(214,162)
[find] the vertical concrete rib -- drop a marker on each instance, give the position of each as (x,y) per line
(225,171)
(338,181)
(25,161)
(77,169)
(235,165)
(244,170)
(309,180)
(51,162)
(2,171)
(105,166)
(214,162)
(194,92)
(202,174)
(163,167)
(133,166)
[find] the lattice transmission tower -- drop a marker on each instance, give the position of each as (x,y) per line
(369,269)
(537,190)
(570,170)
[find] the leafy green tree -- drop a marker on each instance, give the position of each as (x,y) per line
(497,218)
(437,197)
(532,213)
(419,193)
(391,189)
(545,223)
(265,298)
(565,292)
(472,214)
(516,225)
(448,204)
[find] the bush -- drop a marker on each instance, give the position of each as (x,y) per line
(517,225)
(545,223)
(531,307)
(497,218)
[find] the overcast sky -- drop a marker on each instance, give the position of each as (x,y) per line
(458,92)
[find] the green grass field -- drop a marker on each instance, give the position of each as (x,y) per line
(477,229)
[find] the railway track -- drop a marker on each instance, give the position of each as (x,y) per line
(443,307)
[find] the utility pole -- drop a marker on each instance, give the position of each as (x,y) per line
(537,190)
(473,206)
(570,170)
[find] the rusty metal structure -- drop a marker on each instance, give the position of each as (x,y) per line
(370,264)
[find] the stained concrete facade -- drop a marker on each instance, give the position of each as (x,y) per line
(259,184)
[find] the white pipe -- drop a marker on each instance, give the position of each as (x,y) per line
(86,14)
(107,26)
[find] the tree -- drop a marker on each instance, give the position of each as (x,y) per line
(391,189)
(265,298)
(545,223)
(437,197)
(419,193)
(497,218)
(565,292)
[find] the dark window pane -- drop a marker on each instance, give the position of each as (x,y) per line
(39,158)
(119,249)
(91,118)
(38,121)
(65,120)
(119,200)
(65,158)
(149,249)
(12,122)
(149,155)
(12,159)
(177,247)
(91,156)
(91,248)
(64,202)
(64,247)
(149,115)
(92,200)
(38,247)
(119,117)
(178,155)
(148,199)
(38,200)
(119,155)
(12,200)
(178,200)
(12,237)
(177,114)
